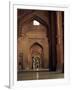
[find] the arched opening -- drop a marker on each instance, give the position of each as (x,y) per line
(35,43)
(36,56)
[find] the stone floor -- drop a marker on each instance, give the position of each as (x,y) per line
(36,75)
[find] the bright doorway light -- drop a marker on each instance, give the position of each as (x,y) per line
(36,22)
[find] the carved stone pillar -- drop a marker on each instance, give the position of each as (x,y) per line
(60,53)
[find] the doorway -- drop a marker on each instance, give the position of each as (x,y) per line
(36,62)
(36,56)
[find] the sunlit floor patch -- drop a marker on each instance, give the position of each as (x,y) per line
(39,75)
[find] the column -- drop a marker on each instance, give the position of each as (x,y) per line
(59,45)
(52,44)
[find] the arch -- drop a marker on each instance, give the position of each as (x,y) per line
(36,43)
(37,18)
(33,38)
(36,55)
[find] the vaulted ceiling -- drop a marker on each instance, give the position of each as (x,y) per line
(39,15)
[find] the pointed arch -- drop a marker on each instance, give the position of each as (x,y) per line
(37,53)
(36,43)
(34,17)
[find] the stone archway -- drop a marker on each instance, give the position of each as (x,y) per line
(36,56)
(33,36)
